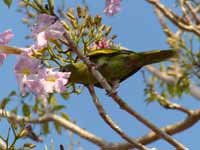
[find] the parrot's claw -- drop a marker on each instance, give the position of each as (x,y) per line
(112,92)
(93,65)
(115,85)
(96,66)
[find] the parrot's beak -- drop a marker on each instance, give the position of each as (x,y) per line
(10,50)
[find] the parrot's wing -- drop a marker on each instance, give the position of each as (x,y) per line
(108,52)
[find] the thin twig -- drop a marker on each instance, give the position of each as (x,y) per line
(193,12)
(170,105)
(194,90)
(163,24)
(110,122)
(178,21)
(164,135)
(185,12)
(170,129)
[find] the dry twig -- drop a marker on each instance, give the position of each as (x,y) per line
(110,122)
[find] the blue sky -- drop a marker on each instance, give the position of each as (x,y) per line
(138,29)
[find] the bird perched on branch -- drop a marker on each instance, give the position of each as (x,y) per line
(115,65)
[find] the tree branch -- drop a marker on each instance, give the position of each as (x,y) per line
(194,90)
(178,21)
(110,122)
(63,122)
(81,132)
(170,129)
(170,105)
(193,12)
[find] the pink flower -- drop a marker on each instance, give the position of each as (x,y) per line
(5,37)
(43,21)
(41,41)
(112,7)
(25,69)
(36,87)
(55,31)
(48,81)
(104,43)
(27,65)
(41,81)
(2,57)
(47,28)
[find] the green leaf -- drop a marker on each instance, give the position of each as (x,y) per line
(58,128)
(52,100)
(4,102)
(45,128)
(29,145)
(35,106)
(26,110)
(12,93)
(8,2)
(65,116)
(39,6)
(51,6)
(15,110)
(26,1)
(58,107)
(171,90)
(65,95)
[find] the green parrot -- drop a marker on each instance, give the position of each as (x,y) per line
(115,65)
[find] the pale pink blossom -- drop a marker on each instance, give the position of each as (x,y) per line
(101,44)
(5,37)
(27,65)
(25,69)
(2,57)
(43,21)
(37,87)
(41,41)
(112,7)
(46,28)
(48,81)
(31,77)
(56,79)
(55,31)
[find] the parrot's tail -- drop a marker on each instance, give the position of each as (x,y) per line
(156,56)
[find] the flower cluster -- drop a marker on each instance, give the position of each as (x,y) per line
(31,75)
(112,7)
(101,44)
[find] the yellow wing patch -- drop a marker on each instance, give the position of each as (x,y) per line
(103,51)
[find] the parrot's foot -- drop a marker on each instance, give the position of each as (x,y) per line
(112,92)
(115,85)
